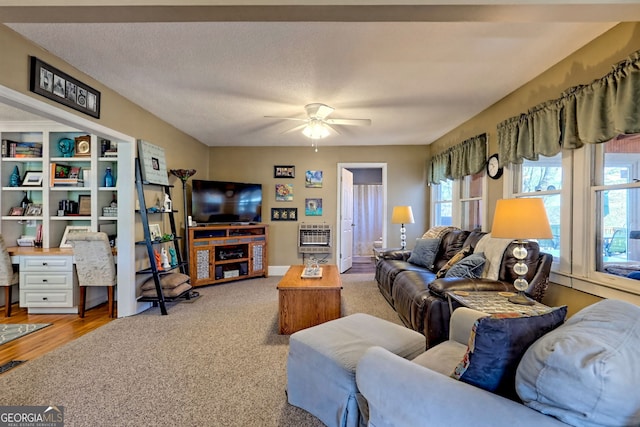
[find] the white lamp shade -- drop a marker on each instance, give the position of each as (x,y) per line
(402,215)
(521,219)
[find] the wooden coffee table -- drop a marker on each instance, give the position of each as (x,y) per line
(308,302)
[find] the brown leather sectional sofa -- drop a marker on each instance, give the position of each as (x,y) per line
(420,298)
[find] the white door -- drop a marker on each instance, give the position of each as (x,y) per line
(346,221)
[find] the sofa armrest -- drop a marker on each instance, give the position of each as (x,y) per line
(397,254)
(402,393)
(443,285)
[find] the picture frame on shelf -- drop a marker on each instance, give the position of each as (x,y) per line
(32,179)
(64,243)
(16,211)
(155,231)
(50,82)
(152,163)
(33,209)
(84,205)
(284,171)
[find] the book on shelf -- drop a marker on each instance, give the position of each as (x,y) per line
(20,149)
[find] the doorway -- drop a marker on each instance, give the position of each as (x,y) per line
(367,193)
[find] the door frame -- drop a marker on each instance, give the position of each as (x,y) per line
(360,165)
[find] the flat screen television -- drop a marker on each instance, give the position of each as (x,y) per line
(223,202)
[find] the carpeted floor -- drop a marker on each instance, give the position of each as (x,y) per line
(9,332)
(218,361)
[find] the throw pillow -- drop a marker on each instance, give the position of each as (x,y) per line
(470,267)
(496,345)
(454,259)
(424,253)
(586,373)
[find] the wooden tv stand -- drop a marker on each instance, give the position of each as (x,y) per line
(224,253)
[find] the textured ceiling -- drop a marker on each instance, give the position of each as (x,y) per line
(217,80)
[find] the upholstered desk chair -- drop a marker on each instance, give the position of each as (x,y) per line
(8,276)
(94,264)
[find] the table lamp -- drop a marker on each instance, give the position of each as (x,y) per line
(402,215)
(521,220)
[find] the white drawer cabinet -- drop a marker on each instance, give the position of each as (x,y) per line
(48,284)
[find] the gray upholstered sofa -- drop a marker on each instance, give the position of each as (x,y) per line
(583,373)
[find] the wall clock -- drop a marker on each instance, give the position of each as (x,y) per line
(494,171)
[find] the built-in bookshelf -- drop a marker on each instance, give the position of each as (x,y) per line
(58,185)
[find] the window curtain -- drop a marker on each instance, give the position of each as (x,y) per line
(586,114)
(367,215)
(466,158)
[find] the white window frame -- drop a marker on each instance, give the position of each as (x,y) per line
(576,266)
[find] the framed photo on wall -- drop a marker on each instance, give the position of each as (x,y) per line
(284,171)
(48,81)
(313,207)
(153,165)
(284,214)
(313,179)
(284,192)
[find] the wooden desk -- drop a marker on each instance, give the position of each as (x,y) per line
(308,302)
(48,282)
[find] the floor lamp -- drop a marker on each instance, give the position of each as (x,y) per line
(521,220)
(402,215)
(184,175)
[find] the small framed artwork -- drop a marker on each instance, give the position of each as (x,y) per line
(33,210)
(16,211)
(152,163)
(84,204)
(284,192)
(313,207)
(284,171)
(155,231)
(32,179)
(313,179)
(284,214)
(64,243)
(48,81)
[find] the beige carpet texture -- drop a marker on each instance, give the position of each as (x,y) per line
(217,361)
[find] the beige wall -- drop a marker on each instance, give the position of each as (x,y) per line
(591,62)
(116,112)
(406,176)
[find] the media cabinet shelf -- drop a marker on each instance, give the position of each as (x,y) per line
(224,253)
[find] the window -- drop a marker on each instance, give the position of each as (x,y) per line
(471,202)
(442,197)
(616,197)
(459,202)
(543,178)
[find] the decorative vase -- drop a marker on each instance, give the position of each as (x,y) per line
(108,180)
(14,179)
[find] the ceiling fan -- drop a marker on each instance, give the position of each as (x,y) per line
(317,124)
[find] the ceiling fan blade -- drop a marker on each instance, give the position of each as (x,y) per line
(318,111)
(295,129)
(287,118)
(332,129)
(349,122)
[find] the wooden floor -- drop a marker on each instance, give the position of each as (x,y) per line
(64,328)
(362,265)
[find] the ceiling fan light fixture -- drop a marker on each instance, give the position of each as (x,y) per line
(316,129)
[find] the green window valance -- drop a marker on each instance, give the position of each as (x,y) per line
(586,114)
(466,158)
